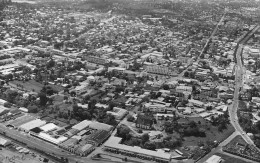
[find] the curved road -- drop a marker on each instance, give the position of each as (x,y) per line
(239,76)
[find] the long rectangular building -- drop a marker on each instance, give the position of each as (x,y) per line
(162,70)
(82,125)
(21,120)
(32,124)
(113,145)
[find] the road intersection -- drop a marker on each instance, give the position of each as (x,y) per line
(233,109)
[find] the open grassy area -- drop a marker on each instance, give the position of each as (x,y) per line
(211,135)
(32,85)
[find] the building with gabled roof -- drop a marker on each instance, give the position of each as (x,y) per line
(113,145)
(144,121)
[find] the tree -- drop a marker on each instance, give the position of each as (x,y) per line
(166,87)
(65,115)
(7,104)
(119,89)
(86,115)
(130,118)
(123,132)
(110,120)
(145,138)
(172,143)
(150,145)
(43,99)
(86,99)
(50,64)
(134,142)
(186,74)
(32,109)
(193,124)
(11,95)
(73,93)
(9,77)
(75,108)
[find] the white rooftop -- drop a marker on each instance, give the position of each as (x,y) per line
(32,124)
(48,127)
(80,126)
(113,142)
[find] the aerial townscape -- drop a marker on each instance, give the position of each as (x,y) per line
(138,81)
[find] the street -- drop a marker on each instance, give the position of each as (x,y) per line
(239,80)
(205,46)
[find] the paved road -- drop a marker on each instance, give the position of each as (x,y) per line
(239,79)
(43,146)
(205,46)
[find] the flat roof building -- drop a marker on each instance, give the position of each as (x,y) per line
(113,145)
(51,139)
(118,113)
(82,125)
(32,124)
(3,110)
(214,159)
(100,126)
(196,103)
(21,120)
(48,127)
(2,102)
(4,142)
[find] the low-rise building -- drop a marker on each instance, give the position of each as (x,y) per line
(144,122)
(196,103)
(113,145)
(4,142)
(118,113)
(183,88)
(214,159)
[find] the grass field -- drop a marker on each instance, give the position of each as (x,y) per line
(28,85)
(211,135)
(32,85)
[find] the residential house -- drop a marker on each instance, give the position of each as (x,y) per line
(144,122)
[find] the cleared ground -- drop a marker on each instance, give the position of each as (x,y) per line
(6,156)
(32,85)
(211,135)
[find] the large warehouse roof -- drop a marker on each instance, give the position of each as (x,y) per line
(80,126)
(3,110)
(32,124)
(51,139)
(100,126)
(21,120)
(48,127)
(2,102)
(4,142)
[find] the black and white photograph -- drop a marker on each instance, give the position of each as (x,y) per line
(129,81)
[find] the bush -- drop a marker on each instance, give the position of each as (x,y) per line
(7,104)
(140,131)
(130,118)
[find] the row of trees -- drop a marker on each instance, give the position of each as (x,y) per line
(144,140)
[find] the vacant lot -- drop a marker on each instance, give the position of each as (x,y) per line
(32,85)
(211,135)
(7,156)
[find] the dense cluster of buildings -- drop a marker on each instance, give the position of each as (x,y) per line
(80,139)
(106,66)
